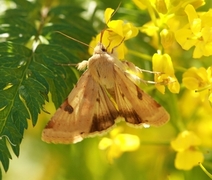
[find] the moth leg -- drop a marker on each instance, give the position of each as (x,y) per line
(136,79)
(83,65)
(135,69)
(80,66)
(148,71)
(150,82)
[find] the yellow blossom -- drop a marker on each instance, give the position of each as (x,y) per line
(177,6)
(187,154)
(114,36)
(108,14)
(163,64)
(164,15)
(161,6)
(187,159)
(167,38)
(199,80)
(196,33)
(195,78)
(119,143)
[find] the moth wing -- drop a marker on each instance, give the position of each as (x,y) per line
(87,110)
(68,123)
(105,112)
(135,105)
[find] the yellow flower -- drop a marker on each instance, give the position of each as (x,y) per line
(187,159)
(196,33)
(114,36)
(119,143)
(199,80)
(187,154)
(163,65)
(164,14)
(167,38)
(108,14)
(161,6)
(194,78)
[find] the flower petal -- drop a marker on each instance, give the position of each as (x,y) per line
(187,159)
(108,14)
(185,140)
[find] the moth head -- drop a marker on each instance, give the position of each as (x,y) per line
(100,49)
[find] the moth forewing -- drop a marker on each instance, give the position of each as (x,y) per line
(74,117)
(105,113)
(135,105)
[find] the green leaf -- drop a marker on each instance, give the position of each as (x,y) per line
(4,154)
(51,57)
(31,58)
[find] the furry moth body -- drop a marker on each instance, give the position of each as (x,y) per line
(103,93)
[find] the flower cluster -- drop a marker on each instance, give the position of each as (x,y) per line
(163,64)
(197,32)
(181,38)
(200,80)
(119,143)
(114,36)
(188,154)
(177,30)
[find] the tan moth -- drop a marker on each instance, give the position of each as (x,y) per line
(104,93)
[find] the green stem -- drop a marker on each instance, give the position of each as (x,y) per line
(205,170)
(180,69)
(143,56)
(165,143)
(175,114)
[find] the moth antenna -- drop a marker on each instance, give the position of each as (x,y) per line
(108,45)
(8,140)
(101,35)
(114,12)
(118,44)
(102,32)
(73,39)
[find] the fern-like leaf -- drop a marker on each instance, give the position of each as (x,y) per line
(30,56)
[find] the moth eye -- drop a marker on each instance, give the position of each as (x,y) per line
(104,49)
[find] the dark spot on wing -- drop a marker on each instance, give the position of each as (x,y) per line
(157,104)
(98,100)
(67,107)
(103,122)
(133,118)
(98,73)
(139,94)
(50,125)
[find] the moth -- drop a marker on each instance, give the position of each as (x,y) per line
(104,93)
